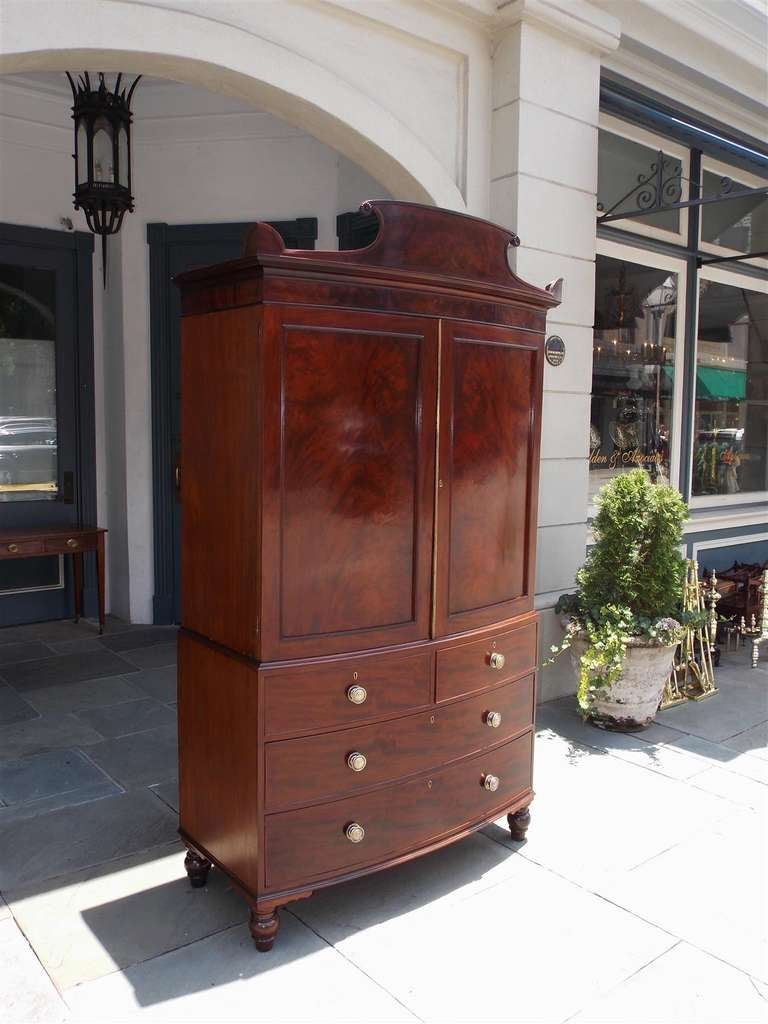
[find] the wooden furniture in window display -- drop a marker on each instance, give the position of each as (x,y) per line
(359,482)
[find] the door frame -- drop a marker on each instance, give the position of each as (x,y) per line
(298,234)
(80,245)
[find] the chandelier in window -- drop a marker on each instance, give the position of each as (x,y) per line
(102,156)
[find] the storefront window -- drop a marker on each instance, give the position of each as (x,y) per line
(622,167)
(633,370)
(731,412)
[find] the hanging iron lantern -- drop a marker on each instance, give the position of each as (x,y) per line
(102,154)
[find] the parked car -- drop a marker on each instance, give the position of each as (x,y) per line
(28,448)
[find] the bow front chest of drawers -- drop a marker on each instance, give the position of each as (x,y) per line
(359,490)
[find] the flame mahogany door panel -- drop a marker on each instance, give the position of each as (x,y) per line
(490,380)
(348,479)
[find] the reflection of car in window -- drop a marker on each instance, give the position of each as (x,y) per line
(27,450)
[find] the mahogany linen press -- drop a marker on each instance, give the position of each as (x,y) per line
(359,481)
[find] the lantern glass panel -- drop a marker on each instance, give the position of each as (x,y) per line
(122,142)
(103,159)
(82,152)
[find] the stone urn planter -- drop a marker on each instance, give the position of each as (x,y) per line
(631,702)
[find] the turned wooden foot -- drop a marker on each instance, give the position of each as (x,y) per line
(263,928)
(197,868)
(518,823)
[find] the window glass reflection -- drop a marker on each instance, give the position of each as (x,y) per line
(28,434)
(633,371)
(621,163)
(731,411)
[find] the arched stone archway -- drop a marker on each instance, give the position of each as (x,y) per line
(226,58)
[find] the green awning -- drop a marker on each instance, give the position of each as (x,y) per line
(716,385)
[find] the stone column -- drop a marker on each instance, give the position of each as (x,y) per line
(546,83)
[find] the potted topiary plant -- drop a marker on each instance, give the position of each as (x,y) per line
(624,621)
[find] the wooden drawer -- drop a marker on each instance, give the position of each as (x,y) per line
(16,549)
(309,698)
(311,843)
(314,768)
(469,667)
(66,545)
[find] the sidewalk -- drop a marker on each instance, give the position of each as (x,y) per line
(640,894)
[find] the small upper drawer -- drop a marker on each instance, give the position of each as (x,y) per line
(346,761)
(309,698)
(15,549)
(474,666)
(66,545)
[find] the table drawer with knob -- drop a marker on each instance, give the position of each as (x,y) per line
(302,770)
(473,666)
(349,834)
(20,548)
(332,693)
(66,545)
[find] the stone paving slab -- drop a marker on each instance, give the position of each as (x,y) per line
(752,741)
(141,759)
(31,650)
(222,978)
(156,656)
(47,732)
(27,995)
(14,708)
(710,890)
(682,986)
(595,815)
(28,676)
(149,636)
(168,792)
(56,844)
(131,717)
(533,947)
(138,907)
(48,774)
(90,693)
(159,683)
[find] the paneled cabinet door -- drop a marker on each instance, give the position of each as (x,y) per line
(348,471)
(490,409)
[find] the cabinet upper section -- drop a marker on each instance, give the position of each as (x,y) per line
(423,260)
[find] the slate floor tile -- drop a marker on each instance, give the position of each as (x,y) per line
(136,908)
(36,808)
(142,759)
(77,646)
(91,693)
(27,676)
(740,705)
(159,683)
(47,774)
(14,708)
(709,890)
(27,994)
(130,717)
(752,741)
(156,656)
(719,755)
(168,793)
(66,840)
(221,978)
(739,790)
(10,654)
(48,732)
(683,986)
(445,961)
(146,637)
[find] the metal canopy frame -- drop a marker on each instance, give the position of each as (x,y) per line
(661,189)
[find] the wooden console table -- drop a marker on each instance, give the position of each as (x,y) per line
(61,540)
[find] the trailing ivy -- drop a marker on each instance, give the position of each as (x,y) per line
(631,583)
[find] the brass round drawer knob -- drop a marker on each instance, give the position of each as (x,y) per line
(491,783)
(496,660)
(72,543)
(13,548)
(493,719)
(355,833)
(357,694)
(357,761)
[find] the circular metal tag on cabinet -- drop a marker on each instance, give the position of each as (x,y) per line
(554,350)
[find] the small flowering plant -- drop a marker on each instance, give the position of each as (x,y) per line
(630,588)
